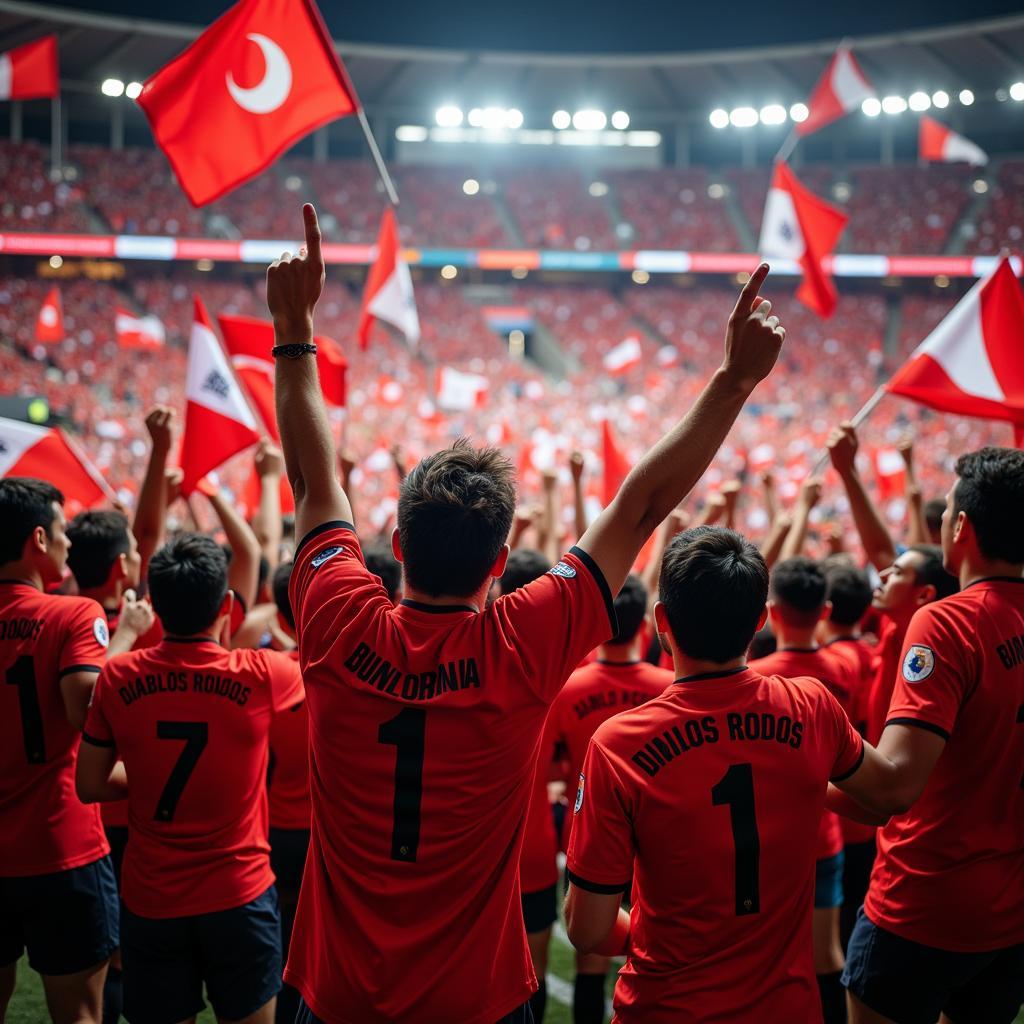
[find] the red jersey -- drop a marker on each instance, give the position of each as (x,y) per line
(885,668)
(836,671)
(288,790)
(950,872)
(43,637)
(425,725)
(538,859)
(710,797)
(190,720)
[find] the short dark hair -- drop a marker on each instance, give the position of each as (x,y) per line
(714,585)
(454,514)
(279,585)
(381,562)
(630,609)
(764,643)
(798,588)
(850,591)
(98,538)
(990,492)
(524,566)
(25,503)
(188,578)
(932,571)
(933,509)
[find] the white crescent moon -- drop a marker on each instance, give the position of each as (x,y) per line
(273,90)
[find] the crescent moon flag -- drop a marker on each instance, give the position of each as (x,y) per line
(262,76)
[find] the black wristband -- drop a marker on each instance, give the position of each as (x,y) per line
(294,351)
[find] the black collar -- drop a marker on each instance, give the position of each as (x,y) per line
(438,609)
(190,640)
(996,579)
(713,675)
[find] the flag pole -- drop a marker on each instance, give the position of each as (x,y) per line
(862,414)
(787,147)
(385,178)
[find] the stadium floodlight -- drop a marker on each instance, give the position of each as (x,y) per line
(719,118)
(112,87)
(894,104)
(492,118)
(561,119)
(1017,92)
(513,118)
(449,272)
(919,101)
(448,116)
(940,99)
(774,113)
(411,133)
(872,107)
(589,120)
(476,117)
(798,112)
(966,97)
(56,261)
(133,90)
(471,186)
(620,120)
(743,117)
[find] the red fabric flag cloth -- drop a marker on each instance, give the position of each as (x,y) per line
(141,332)
(263,75)
(891,472)
(940,144)
(388,293)
(29,72)
(840,91)
(616,465)
(50,322)
(973,362)
(623,357)
(800,226)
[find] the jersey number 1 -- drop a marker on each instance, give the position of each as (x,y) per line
(195,735)
(22,674)
(736,790)
(405,732)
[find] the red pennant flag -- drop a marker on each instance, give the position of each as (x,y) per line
(30,72)
(973,362)
(891,471)
(142,332)
(943,145)
(623,357)
(48,454)
(388,294)
(616,465)
(50,321)
(799,226)
(218,420)
(840,90)
(263,75)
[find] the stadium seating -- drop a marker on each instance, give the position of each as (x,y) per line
(30,200)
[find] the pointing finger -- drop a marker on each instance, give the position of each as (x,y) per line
(745,302)
(312,226)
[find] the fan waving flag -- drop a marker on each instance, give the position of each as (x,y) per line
(263,75)
(943,145)
(799,226)
(29,72)
(50,322)
(388,294)
(840,90)
(218,420)
(973,362)
(140,332)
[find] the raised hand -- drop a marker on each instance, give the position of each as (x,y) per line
(576,465)
(136,616)
(753,338)
(269,460)
(906,449)
(730,492)
(160,424)
(294,284)
(173,478)
(810,491)
(842,448)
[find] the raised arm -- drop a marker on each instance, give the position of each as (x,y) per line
(151,509)
(771,546)
(266,523)
(793,545)
(666,473)
(294,284)
(676,521)
(917,526)
(771,499)
(731,492)
(579,501)
(244,570)
(550,530)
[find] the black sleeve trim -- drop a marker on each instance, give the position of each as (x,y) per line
(856,764)
(93,741)
(334,524)
(919,724)
(71,669)
(596,887)
(595,570)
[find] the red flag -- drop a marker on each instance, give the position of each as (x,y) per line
(840,90)
(263,75)
(943,145)
(388,294)
(142,332)
(50,322)
(891,471)
(458,391)
(48,454)
(623,357)
(218,420)
(30,72)
(973,362)
(799,226)
(616,465)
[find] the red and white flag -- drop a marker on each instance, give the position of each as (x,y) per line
(800,226)
(50,321)
(218,420)
(29,72)
(973,362)
(389,391)
(840,91)
(623,357)
(458,391)
(388,294)
(263,75)
(943,145)
(616,465)
(891,471)
(48,454)
(144,332)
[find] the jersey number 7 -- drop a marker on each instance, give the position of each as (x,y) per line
(195,735)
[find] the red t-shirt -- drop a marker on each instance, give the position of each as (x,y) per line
(885,668)
(425,725)
(950,872)
(710,797)
(538,860)
(836,670)
(288,791)
(43,637)
(190,720)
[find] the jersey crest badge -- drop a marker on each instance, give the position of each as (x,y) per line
(100,631)
(918,664)
(579,796)
(563,569)
(325,555)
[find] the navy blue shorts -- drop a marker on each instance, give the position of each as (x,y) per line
(912,984)
(236,952)
(828,882)
(524,1015)
(66,920)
